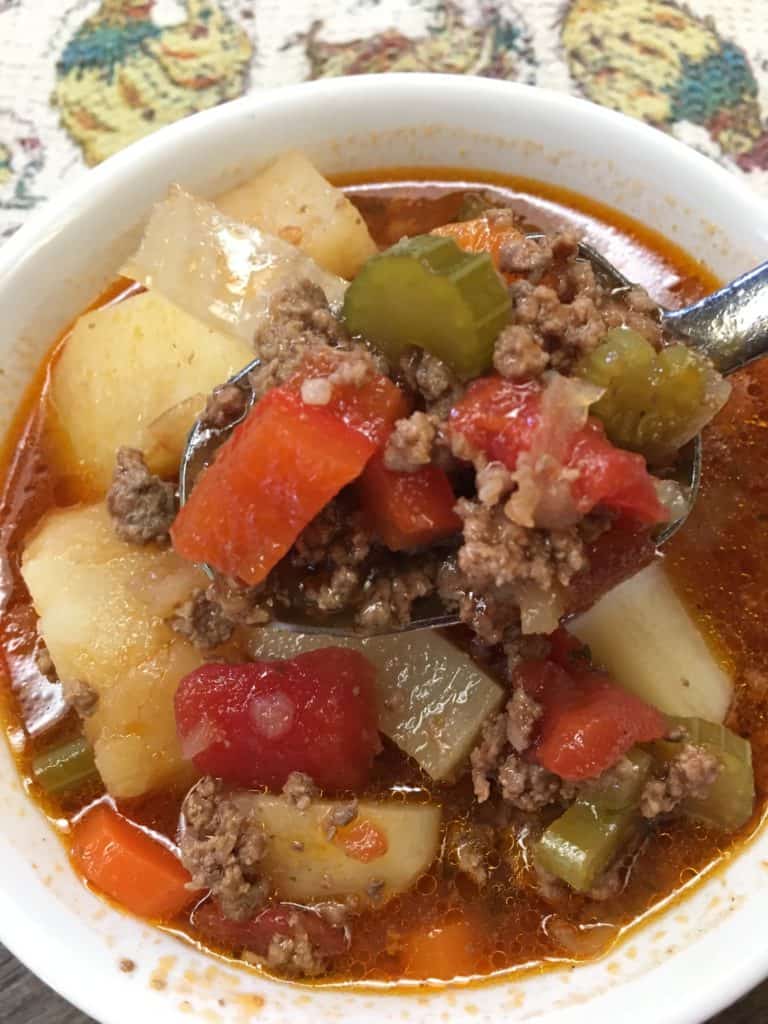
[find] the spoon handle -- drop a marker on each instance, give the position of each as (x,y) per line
(730,326)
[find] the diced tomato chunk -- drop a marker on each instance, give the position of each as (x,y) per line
(275,473)
(588,722)
(407,510)
(613,477)
(502,419)
(256,933)
(256,723)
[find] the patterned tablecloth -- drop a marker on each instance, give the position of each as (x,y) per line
(80,79)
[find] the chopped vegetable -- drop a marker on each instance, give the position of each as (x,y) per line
(220,271)
(407,510)
(654,402)
(256,933)
(442,951)
(582,843)
(102,605)
(588,721)
(305,863)
(506,420)
(269,479)
(120,371)
(643,635)
(292,200)
(426,292)
(432,696)
(126,863)
(481,235)
(362,841)
(66,768)
(371,407)
(731,799)
(258,722)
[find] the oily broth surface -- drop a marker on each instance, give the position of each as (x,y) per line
(508,923)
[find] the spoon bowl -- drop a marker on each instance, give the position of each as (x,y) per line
(730,327)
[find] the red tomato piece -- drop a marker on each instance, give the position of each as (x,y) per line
(613,477)
(501,418)
(498,417)
(588,722)
(257,932)
(278,469)
(256,723)
(407,510)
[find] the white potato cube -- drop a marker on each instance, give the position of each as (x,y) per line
(102,605)
(121,369)
(292,200)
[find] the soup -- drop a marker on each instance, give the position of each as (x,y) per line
(377,808)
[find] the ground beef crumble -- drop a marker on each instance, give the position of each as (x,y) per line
(82,697)
(292,951)
(225,406)
(690,774)
(299,322)
(142,506)
(300,790)
(221,847)
(496,759)
(201,619)
(409,446)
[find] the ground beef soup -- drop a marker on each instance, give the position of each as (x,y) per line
(336,840)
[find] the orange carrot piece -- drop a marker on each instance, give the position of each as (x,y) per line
(443,951)
(127,864)
(362,841)
(480,235)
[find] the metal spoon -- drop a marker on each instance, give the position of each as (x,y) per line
(730,327)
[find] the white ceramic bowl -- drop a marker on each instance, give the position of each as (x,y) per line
(688,961)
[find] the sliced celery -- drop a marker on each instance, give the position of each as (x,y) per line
(731,799)
(425,291)
(583,842)
(65,768)
(654,402)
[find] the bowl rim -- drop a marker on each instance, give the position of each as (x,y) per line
(59,212)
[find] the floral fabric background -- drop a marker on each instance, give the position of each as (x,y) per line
(80,79)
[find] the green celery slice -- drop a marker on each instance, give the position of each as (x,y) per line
(582,842)
(731,799)
(654,402)
(428,293)
(66,767)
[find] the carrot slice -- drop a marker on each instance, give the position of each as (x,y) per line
(362,841)
(443,951)
(129,865)
(481,235)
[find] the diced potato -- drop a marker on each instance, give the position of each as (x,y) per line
(221,271)
(102,604)
(642,633)
(292,200)
(121,369)
(305,865)
(432,697)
